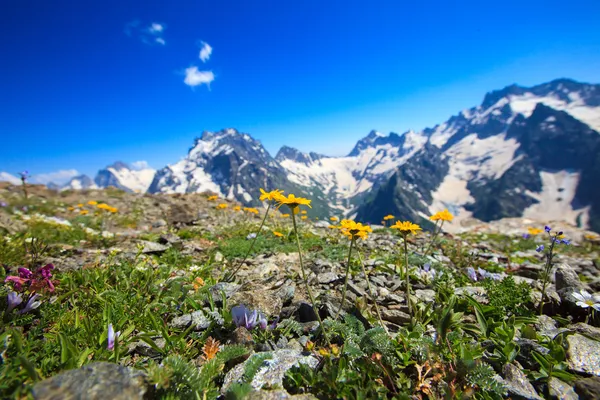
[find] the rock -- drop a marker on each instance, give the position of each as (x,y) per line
(278,394)
(586,330)
(327,277)
(561,390)
(588,388)
(242,336)
(144,349)
(546,326)
(396,316)
(517,384)
(287,291)
(477,292)
(100,380)
(425,295)
(272,370)
(197,319)
(526,347)
(152,247)
(159,223)
(567,278)
(583,355)
(321,224)
(265,301)
(356,289)
(217,290)
(171,239)
(181,214)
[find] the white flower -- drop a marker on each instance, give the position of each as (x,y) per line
(107,234)
(141,268)
(195,268)
(587,300)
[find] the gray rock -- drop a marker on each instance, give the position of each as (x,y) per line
(265,301)
(321,224)
(144,349)
(152,247)
(561,390)
(567,278)
(171,239)
(159,223)
(586,330)
(99,381)
(197,319)
(272,370)
(588,388)
(583,355)
(356,289)
(395,316)
(517,384)
(477,292)
(425,295)
(287,291)
(327,277)
(546,326)
(229,288)
(278,394)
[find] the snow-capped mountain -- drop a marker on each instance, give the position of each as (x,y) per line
(121,176)
(79,182)
(528,152)
(344,180)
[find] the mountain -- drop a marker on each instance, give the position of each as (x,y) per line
(230,164)
(79,182)
(524,152)
(344,181)
(122,176)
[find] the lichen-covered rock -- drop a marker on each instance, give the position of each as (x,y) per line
(97,381)
(265,301)
(517,384)
(561,390)
(197,319)
(272,370)
(583,355)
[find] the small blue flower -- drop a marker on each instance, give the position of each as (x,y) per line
(472,274)
(526,236)
(112,337)
(13,299)
(244,317)
(251,236)
(540,248)
(547,228)
(3,204)
(31,304)
(566,241)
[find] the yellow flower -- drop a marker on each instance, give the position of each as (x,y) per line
(272,195)
(71,208)
(92,203)
(303,212)
(251,210)
(591,236)
(442,215)
(534,231)
(79,205)
(285,215)
(354,229)
(278,234)
(212,198)
(333,226)
(113,209)
(237,208)
(222,206)
(334,219)
(388,217)
(303,217)
(406,227)
(83,212)
(292,202)
(198,283)
(103,206)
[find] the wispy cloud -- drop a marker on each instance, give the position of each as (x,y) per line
(140,165)
(205,51)
(58,177)
(194,77)
(149,34)
(6,177)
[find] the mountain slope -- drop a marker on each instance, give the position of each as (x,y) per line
(121,176)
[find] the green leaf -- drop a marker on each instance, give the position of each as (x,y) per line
(29,368)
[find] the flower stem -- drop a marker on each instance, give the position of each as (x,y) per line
(436,232)
(305,278)
(373,297)
(547,269)
(346,280)
(230,277)
(407,277)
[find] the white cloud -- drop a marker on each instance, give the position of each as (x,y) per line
(139,165)
(193,77)
(205,52)
(6,177)
(58,177)
(149,34)
(156,28)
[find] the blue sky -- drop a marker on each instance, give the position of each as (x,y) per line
(86,83)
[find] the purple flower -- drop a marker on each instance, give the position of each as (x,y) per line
(251,236)
(485,274)
(32,304)
(472,274)
(244,317)
(274,323)
(24,209)
(13,299)
(3,204)
(526,236)
(427,267)
(565,241)
(112,337)
(262,321)
(547,228)
(540,248)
